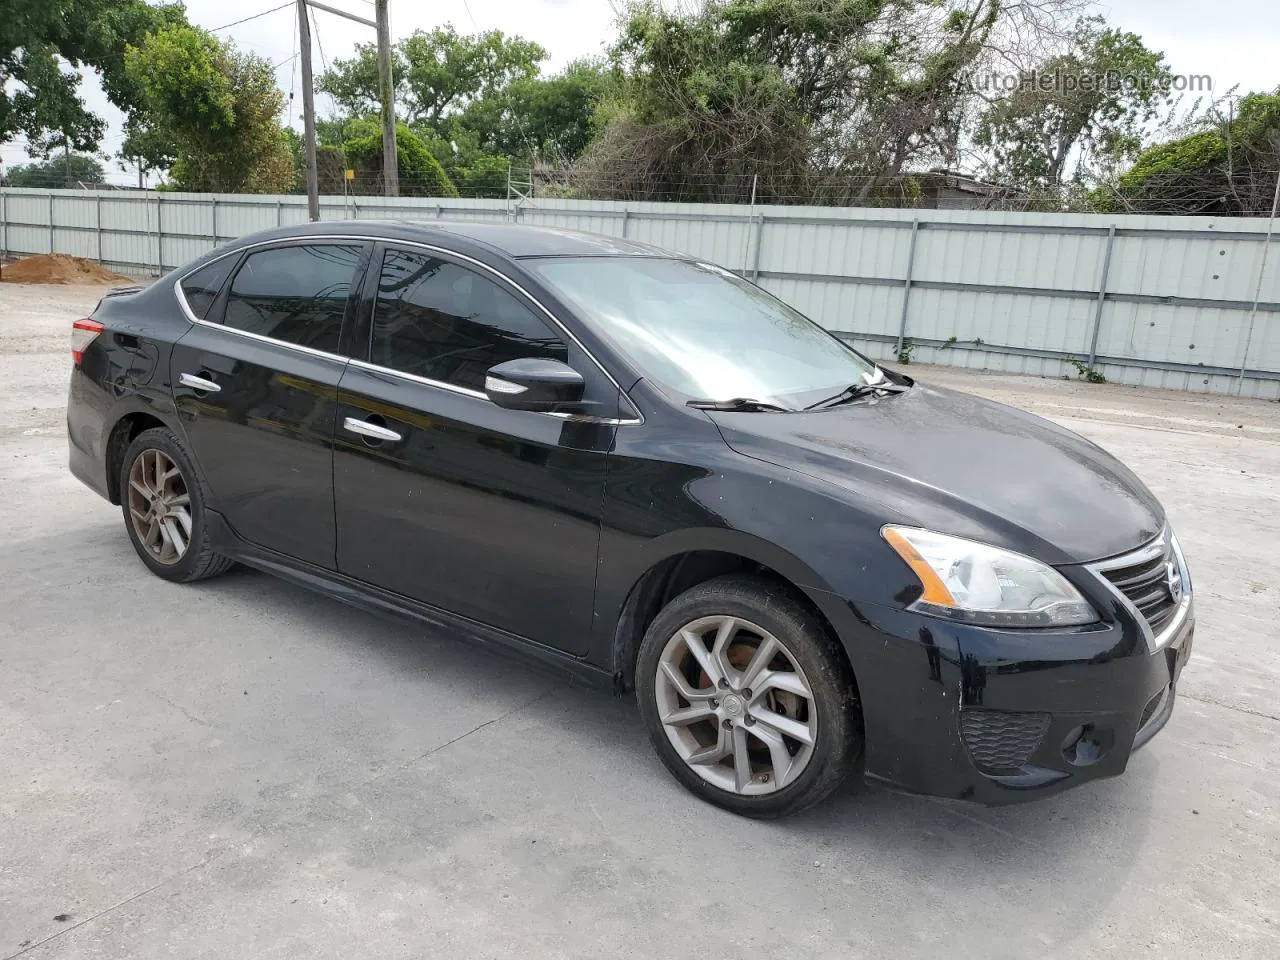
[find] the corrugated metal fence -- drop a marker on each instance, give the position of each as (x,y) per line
(1189,303)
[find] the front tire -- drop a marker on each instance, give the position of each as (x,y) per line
(164,509)
(747,698)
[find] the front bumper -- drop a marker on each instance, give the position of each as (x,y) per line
(1005,716)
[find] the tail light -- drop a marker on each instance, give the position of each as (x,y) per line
(83,333)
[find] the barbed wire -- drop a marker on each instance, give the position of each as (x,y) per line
(1246,195)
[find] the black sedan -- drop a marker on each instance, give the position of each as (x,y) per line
(641,470)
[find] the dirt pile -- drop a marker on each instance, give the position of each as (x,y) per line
(60,268)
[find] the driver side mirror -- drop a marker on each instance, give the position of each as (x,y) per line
(533,383)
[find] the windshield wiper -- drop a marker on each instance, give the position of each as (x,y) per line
(857,391)
(738,405)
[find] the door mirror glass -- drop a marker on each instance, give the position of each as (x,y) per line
(534,383)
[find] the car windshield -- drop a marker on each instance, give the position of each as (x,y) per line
(704,332)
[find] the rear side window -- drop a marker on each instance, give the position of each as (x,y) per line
(444,322)
(295,294)
(202,287)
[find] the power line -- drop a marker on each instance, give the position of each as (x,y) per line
(315,29)
(236,23)
(515,114)
(293,72)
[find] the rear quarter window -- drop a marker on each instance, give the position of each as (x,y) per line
(202,287)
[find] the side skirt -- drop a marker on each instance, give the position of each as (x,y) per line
(365,596)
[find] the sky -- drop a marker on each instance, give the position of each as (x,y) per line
(1234,41)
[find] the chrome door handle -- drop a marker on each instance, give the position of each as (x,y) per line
(198,383)
(367,429)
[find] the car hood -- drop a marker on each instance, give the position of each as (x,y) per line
(962,465)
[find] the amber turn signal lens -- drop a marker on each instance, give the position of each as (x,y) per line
(934,589)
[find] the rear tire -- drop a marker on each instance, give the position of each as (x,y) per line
(747,698)
(164,509)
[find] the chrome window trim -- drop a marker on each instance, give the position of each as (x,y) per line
(477,395)
(311,351)
(181,294)
(1143,554)
(613,421)
(414,378)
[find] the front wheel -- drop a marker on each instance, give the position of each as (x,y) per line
(163,506)
(748,700)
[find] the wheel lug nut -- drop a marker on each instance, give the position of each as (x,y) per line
(715,702)
(723,684)
(747,693)
(727,724)
(750,720)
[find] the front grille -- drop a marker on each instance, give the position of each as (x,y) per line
(1146,583)
(1001,742)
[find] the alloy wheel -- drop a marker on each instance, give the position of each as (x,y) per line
(736,706)
(159,506)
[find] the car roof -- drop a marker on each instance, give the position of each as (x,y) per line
(506,239)
(523,240)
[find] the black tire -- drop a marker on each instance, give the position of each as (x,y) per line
(837,743)
(199,561)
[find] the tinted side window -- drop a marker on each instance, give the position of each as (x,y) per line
(441,321)
(296,294)
(202,287)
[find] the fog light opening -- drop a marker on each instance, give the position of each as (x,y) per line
(1086,745)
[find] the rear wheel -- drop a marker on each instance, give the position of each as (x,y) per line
(747,698)
(163,506)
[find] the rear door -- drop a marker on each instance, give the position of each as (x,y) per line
(256,382)
(489,513)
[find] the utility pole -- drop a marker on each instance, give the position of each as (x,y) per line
(391,169)
(386,93)
(308,112)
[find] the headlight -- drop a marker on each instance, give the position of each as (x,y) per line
(974,583)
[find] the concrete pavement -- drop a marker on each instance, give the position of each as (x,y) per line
(242,769)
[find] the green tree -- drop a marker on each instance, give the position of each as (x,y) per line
(1229,167)
(910,101)
(61,172)
(145,147)
(218,107)
(706,103)
(49,111)
(544,118)
(822,100)
(486,175)
(1077,115)
(43,44)
(356,144)
(474,171)
(420,172)
(436,73)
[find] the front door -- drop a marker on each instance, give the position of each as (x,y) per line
(441,495)
(256,385)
